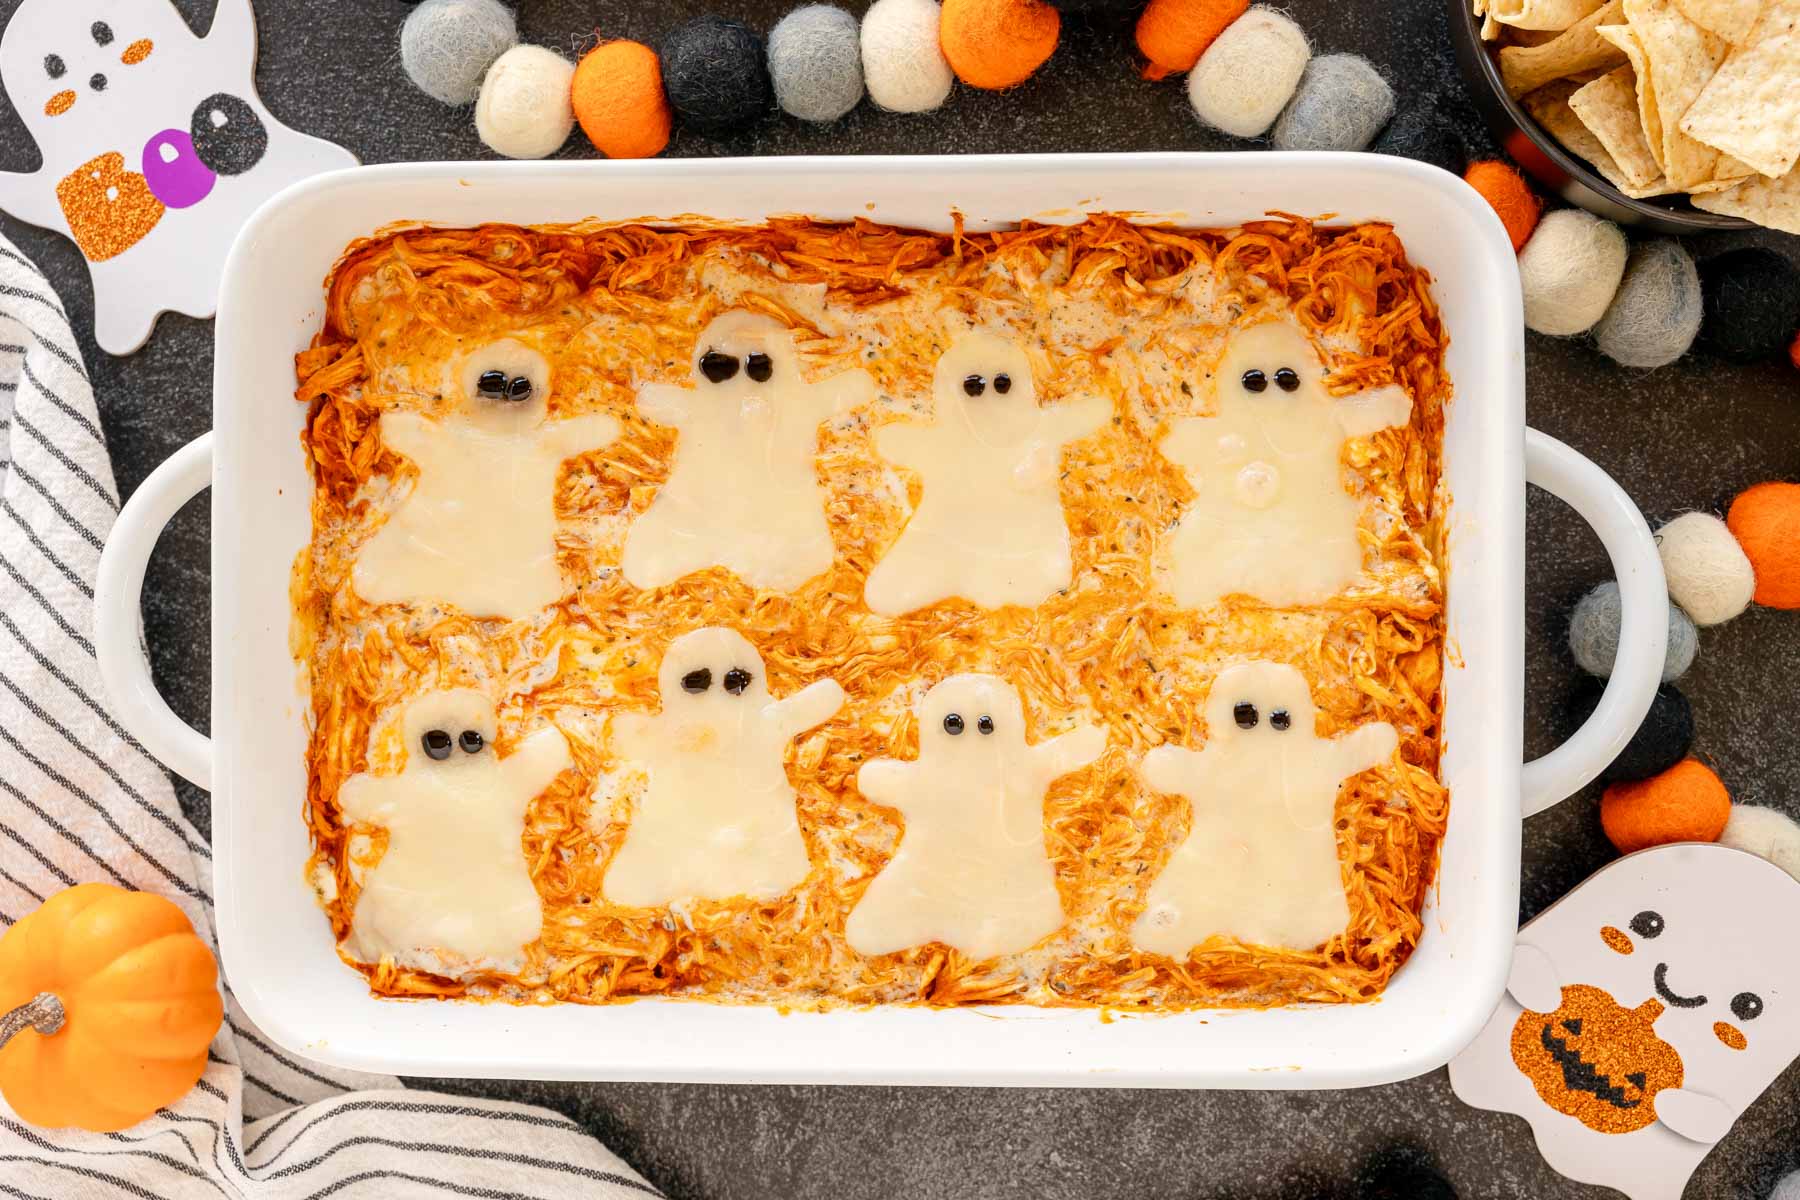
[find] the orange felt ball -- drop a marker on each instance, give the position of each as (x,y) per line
(1508,195)
(1173,34)
(1794,350)
(617,95)
(1686,803)
(1765,520)
(997,43)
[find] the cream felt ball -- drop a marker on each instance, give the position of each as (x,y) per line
(523,110)
(1594,635)
(1788,1186)
(815,61)
(1709,575)
(903,67)
(1569,272)
(1776,837)
(1341,104)
(1652,320)
(1245,78)
(447,46)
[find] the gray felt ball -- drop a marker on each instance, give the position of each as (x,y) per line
(447,46)
(815,60)
(1342,104)
(1594,635)
(1656,313)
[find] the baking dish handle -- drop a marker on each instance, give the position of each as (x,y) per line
(1644,624)
(118,593)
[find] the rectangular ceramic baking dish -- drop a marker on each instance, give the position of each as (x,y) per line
(275,943)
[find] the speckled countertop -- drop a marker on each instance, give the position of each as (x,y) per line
(1688,436)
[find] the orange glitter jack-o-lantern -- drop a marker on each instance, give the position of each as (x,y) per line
(1596,1060)
(109,209)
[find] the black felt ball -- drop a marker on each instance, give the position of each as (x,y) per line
(1664,738)
(1752,304)
(715,74)
(1419,133)
(1402,1174)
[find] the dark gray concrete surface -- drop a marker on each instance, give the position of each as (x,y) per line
(1688,436)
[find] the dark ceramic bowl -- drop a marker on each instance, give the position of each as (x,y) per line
(1543,157)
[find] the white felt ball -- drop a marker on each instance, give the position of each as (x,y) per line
(1774,836)
(815,61)
(1788,1186)
(1247,75)
(902,65)
(1569,271)
(446,46)
(523,110)
(1708,573)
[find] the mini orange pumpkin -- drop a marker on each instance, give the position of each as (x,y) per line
(123,998)
(1596,1060)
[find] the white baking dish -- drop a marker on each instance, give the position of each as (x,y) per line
(276,944)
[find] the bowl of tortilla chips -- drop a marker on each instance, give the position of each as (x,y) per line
(1676,116)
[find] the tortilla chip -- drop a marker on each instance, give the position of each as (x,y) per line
(1577,48)
(1772,203)
(1541,14)
(1683,57)
(1751,108)
(1549,107)
(1608,107)
(1649,122)
(1730,19)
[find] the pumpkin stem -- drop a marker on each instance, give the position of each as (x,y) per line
(43,1012)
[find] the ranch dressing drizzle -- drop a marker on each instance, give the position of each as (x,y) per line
(1271,518)
(717,819)
(743,492)
(971,871)
(454,876)
(478,529)
(989,526)
(1260,861)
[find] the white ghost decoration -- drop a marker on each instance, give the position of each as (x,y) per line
(478,529)
(1645,1011)
(743,492)
(717,818)
(155,148)
(1271,517)
(972,870)
(989,527)
(1260,861)
(454,877)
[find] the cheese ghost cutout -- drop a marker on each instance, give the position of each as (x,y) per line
(971,871)
(717,818)
(1260,861)
(454,877)
(1643,1013)
(1270,516)
(479,527)
(989,526)
(743,492)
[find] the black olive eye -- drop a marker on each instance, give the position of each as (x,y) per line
(1647,924)
(953,724)
(1255,381)
(97,81)
(736,680)
(985,723)
(695,682)
(1244,713)
(759,367)
(518,389)
(471,741)
(102,33)
(491,385)
(1287,379)
(1746,1006)
(437,744)
(1003,384)
(1280,721)
(718,367)
(53,66)
(974,385)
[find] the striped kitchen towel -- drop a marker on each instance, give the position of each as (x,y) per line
(80,801)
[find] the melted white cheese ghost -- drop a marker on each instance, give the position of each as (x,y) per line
(971,871)
(1679,952)
(1260,861)
(743,492)
(717,819)
(454,877)
(989,526)
(1270,517)
(479,527)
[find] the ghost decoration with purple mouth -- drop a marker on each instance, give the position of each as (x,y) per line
(155,148)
